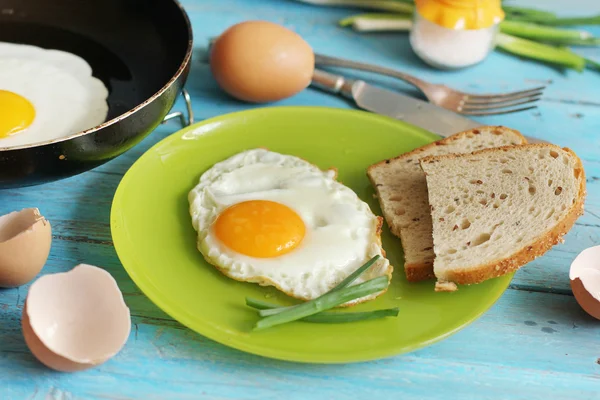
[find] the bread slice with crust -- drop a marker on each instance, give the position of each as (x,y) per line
(495,210)
(402,192)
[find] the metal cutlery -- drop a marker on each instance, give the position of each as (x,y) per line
(448,98)
(396,105)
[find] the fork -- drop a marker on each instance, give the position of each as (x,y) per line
(451,99)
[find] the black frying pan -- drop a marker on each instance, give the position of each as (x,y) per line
(140,49)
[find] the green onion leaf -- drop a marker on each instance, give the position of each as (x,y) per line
(260,304)
(382,5)
(548,34)
(353,276)
(377,22)
(538,51)
(592,64)
(546,17)
(595,20)
(527,14)
(326,317)
(265,312)
(349,279)
(344,317)
(324,302)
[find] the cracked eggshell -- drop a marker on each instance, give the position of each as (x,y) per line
(25,239)
(75,320)
(585,280)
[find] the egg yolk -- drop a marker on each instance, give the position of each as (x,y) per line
(260,228)
(16,113)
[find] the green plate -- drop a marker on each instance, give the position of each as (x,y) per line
(156,243)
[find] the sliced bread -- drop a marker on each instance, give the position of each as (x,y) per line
(497,209)
(402,192)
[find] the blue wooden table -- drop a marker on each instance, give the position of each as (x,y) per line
(535,343)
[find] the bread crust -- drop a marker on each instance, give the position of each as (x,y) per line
(445,141)
(416,272)
(530,251)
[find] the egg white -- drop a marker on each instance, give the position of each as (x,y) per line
(60,86)
(341,231)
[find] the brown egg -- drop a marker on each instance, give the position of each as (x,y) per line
(585,280)
(75,320)
(260,61)
(25,239)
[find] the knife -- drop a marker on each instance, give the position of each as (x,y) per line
(396,105)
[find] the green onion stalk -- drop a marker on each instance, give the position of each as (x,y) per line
(346,282)
(561,56)
(549,34)
(316,310)
(323,303)
(327,317)
(380,5)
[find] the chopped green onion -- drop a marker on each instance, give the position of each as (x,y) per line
(378,22)
(325,302)
(538,51)
(547,34)
(349,279)
(331,317)
(382,5)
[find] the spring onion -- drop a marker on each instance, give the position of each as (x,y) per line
(548,34)
(331,317)
(542,52)
(378,22)
(381,5)
(340,318)
(352,277)
(323,303)
(347,281)
(592,64)
(594,20)
(527,14)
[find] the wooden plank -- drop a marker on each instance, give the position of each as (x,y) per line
(548,350)
(530,345)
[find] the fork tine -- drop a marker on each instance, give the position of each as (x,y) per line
(495,106)
(512,110)
(500,102)
(503,96)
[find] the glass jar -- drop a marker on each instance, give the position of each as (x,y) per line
(451,34)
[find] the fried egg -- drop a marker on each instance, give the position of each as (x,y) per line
(46,94)
(278,220)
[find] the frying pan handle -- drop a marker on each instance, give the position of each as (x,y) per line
(183,119)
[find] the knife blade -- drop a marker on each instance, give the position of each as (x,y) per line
(396,105)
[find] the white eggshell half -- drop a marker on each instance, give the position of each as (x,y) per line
(75,320)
